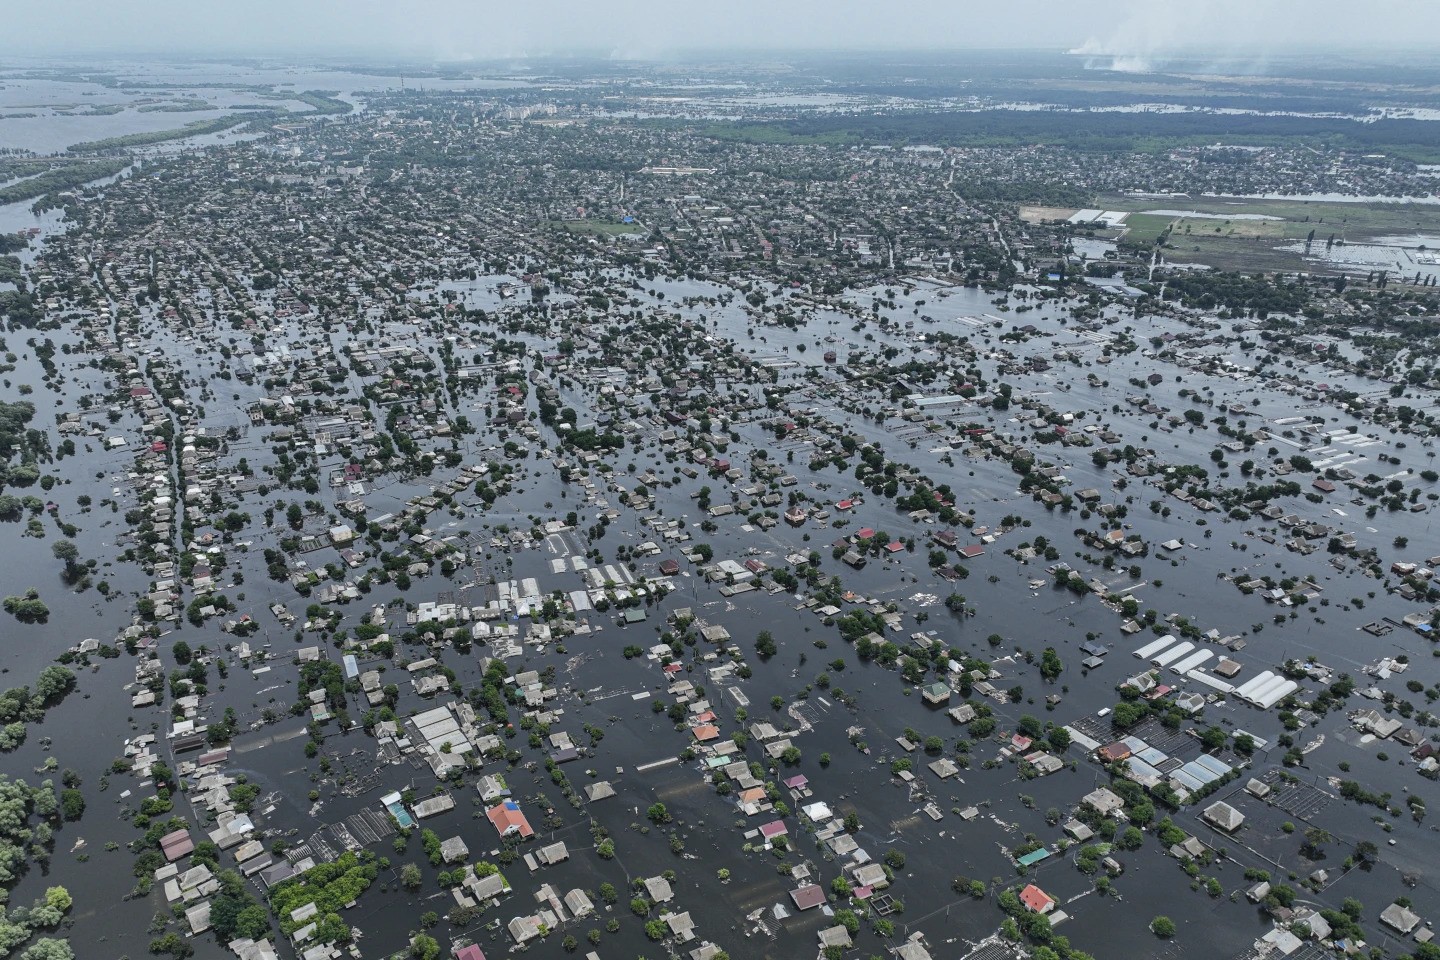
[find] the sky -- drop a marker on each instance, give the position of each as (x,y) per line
(1133,31)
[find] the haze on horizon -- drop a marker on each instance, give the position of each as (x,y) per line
(1131,33)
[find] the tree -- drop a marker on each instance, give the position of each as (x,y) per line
(1163,927)
(424,947)
(173,944)
(181,651)
(1128,714)
(1050,665)
(66,551)
(410,877)
(1037,927)
(47,948)
(59,898)
(53,683)
(234,913)
(28,608)
(765,645)
(1213,739)
(1315,840)
(72,804)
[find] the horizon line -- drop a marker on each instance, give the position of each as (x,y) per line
(1211,53)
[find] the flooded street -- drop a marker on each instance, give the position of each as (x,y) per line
(429,479)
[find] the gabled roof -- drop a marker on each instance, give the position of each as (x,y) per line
(1224,816)
(508,816)
(1036,900)
(658,889)
(808,897)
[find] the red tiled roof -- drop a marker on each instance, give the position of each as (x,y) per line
(508,815)
(1036,900)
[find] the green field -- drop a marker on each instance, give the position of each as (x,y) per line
(1227,243)
(1144,226)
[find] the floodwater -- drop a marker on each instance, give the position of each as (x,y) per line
(600,688)
(1197,215)
(1026,618)
(1325,198)
(41,113)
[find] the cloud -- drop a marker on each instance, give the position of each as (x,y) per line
(1240,36)
(1141,32)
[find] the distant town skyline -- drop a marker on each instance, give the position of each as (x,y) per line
(1132,34)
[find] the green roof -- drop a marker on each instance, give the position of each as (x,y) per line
(1033,857)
